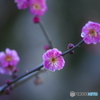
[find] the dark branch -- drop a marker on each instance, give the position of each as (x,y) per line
(5,86)
(46,34)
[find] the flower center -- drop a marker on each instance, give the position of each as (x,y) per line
(36,6)
(8,58)
(53,60)
(93,33)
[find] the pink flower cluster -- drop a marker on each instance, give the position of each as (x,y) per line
(37,7)
(8,61)
(91,32)
(53,60)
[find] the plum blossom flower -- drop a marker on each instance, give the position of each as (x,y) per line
(52,60)
(22,4)
(38,7)
(91,32)
(7,70)
(8,60)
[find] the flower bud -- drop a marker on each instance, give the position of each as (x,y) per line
(47,47)
(36,19)
(8,82)
(14,75)
(70,45)
(7,91)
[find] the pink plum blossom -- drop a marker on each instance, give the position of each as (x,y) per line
(7,70)
(22,4)
(8,60)
(91,32)
(38,7)
(52,60)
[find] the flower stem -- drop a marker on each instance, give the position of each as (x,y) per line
(77,45)
(46,34)
(38,68)
(21,77)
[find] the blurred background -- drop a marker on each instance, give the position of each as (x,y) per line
(63,21)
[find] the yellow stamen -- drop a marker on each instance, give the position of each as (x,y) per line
(53,60)
(93,33)
(36,6)
(8,58)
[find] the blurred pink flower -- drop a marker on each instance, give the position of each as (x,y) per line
(8,60)
(52,60)
(91,32)
(38,7)
(7,70)
(47,47)
(22,4)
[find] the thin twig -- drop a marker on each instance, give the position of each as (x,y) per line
(21,77)
(38,68)
(77,45)
(29,77)
(46,34)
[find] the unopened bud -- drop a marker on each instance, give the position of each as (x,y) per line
(70,45)
(47,47)
(36,19)
(8,82)
(7,91)
(14,75)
